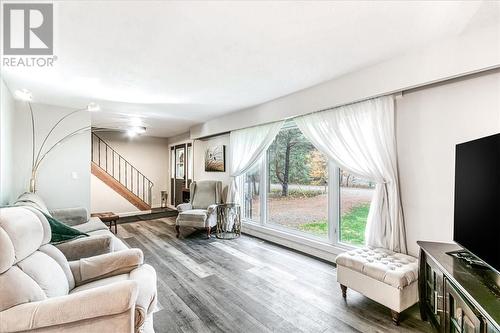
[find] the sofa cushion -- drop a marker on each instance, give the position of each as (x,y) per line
(27,229)
(8,256)
(32,200)
(87,247)
(16,287)
(395,269)
(117,244)
(46,272)
(145,276)
(71,216)
(61,260)
(93,224)
(192,218)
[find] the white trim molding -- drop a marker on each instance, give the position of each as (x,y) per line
(306,245)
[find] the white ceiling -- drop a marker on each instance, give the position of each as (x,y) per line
(176,64)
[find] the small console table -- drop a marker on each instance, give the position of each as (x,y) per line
(108,217)
(456,297)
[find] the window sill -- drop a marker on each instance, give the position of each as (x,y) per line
(306,245)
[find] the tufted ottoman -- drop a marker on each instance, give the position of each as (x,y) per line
(386,277)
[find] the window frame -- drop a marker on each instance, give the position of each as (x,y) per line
(333,207)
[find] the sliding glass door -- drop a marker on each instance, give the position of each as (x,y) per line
(296,190)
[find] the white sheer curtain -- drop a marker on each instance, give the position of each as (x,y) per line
(360,138)
(246,147)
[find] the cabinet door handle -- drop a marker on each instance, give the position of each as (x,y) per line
(435,302)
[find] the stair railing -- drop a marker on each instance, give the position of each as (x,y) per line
(121,170)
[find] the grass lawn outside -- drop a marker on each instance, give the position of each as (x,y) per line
(352,226)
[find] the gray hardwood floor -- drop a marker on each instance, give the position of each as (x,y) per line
(249,285)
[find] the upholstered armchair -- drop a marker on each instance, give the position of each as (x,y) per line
(41,291)
(201,211)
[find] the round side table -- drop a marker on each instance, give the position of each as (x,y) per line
(228,221)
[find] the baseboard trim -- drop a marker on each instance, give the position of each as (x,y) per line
(307,246)
(139,212)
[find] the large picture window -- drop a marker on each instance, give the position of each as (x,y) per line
(297,190)
(355,197)
(297,196)
(251,194)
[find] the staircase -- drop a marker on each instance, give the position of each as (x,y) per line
(116,172)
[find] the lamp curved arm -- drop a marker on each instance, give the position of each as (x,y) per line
(32,136)
(58,143)
(50,132)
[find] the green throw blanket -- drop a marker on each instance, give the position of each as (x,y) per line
(61,232)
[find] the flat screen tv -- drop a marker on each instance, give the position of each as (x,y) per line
(477,199)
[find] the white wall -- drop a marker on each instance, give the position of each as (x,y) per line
(104,199)
(179,139)
(64,176)
(199,159)
(7,109)
(150,155)
(470,52)
(430,122)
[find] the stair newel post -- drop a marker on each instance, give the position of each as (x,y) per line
(92,147)
(150,194)
(99,150)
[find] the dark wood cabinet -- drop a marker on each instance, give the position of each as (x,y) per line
(454,296)
(460,316)
(433,300)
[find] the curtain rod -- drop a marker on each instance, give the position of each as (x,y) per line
(456,78)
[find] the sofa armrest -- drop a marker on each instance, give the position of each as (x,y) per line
(85,247)
(184,207)
(71,216)
(101,301)
(105,265)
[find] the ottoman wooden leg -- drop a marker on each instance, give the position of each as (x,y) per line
(178,230)
(395,317)
(344,290)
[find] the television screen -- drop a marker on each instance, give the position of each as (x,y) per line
(477,198)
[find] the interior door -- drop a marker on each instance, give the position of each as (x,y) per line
(172,176)
(181,171)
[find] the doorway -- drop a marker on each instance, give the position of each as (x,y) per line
(181,171)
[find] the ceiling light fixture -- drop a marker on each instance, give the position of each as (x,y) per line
(24,95)
(93,107)
(131,133)
(135,130)
(138,129)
